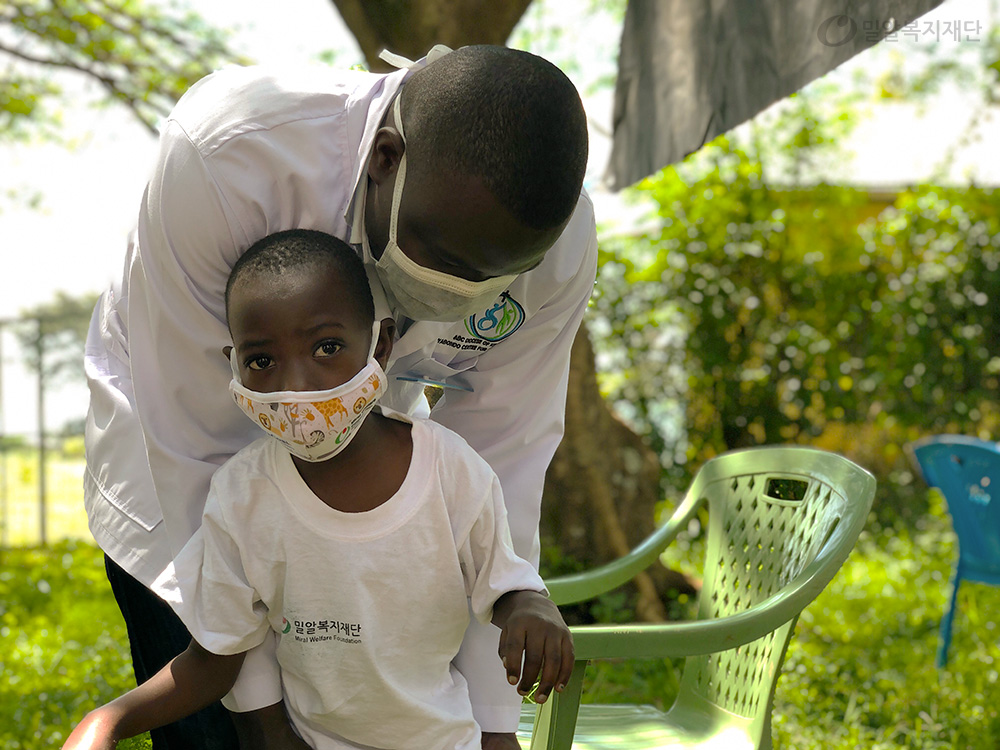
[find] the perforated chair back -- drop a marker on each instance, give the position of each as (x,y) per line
(765,526)
(967,472)
(781,522)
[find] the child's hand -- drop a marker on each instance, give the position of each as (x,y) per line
(532,628)
(95,732)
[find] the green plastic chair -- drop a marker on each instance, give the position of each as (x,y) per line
(782,520)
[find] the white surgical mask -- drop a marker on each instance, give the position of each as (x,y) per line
(313,425)
(422,293)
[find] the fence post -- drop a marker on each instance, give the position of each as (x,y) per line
(4,510)
(40,351)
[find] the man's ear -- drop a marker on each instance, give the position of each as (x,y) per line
(387,150)
(226,350)
(386,335)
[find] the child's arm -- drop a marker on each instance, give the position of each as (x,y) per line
(507,589)
(532,628)
(189,682)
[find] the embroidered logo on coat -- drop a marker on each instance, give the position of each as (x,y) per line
(498,322)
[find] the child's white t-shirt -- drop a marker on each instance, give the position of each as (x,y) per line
(369,608)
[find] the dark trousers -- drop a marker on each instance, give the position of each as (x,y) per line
(156,635)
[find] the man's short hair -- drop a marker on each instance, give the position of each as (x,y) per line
(299,249)
(505,116)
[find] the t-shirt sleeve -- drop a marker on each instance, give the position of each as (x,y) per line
(491,566)
(207,587)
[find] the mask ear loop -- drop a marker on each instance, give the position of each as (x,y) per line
(234,365)
(376,330)
(398,116)
(397,190)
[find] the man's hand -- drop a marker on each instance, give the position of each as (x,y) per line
(534,632)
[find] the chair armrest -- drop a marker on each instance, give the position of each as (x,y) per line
(667,640)
(578,587)
(710,636)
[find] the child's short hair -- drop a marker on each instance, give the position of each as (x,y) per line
(297,249)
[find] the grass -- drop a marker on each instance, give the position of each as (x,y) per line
(65,649)
(859,671)
(862,672)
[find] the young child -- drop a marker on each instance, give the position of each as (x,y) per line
(361,539)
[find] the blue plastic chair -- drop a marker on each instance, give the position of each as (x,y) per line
(967,472)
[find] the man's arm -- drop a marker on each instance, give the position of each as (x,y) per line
(188,683)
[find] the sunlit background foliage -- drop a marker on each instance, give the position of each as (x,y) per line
(755,310)
(757,302)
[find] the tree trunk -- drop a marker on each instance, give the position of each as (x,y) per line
(410,28)
(602,487)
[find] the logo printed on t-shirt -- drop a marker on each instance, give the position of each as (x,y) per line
(314,631)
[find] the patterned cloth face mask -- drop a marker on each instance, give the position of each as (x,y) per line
(422,293)
(313,425)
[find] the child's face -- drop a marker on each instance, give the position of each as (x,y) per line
(297,332)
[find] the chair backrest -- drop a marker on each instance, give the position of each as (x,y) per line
(773,512)
(967,471)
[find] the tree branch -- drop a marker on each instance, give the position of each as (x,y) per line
(139,55)
(109,84)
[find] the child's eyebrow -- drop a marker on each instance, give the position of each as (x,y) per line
(254,343)
(325,324)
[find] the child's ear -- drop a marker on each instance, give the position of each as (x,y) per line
(226,351)
(386,335)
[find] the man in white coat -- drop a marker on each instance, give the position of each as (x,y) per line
(459,182)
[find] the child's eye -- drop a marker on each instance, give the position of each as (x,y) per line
(260,362)
(328,349)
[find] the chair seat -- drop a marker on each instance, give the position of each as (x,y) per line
(986,573)
(629,727)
